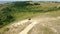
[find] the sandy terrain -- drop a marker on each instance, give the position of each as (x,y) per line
(29,26)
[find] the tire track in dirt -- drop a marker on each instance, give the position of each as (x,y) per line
(33,22)
(30,26)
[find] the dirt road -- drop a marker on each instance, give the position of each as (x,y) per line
(28,28)
(24,26)
(33,23)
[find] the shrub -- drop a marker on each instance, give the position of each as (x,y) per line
(6,16)
(36,4)
(6,29)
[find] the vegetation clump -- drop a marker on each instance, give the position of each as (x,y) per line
(5,16)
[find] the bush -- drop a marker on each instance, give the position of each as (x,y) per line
(36,4)
(6,16)
(21,4)
(6,29)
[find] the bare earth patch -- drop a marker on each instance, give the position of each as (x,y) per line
(42,25)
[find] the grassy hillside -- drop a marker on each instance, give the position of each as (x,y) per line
(15,11)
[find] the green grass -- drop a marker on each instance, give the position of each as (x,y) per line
(16,11)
